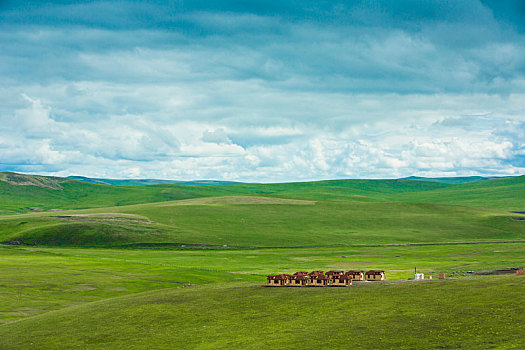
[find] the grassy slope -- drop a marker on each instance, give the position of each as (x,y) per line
(504,194)
(332,223)
(472,314)
(36,279)
(454,180)
(77,195)
(262,222)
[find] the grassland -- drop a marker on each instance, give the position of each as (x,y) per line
(484,313)
(103,266)
(500,194)
(262,222)
(39,279)
(503,194)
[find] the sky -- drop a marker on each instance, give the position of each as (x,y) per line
(262,91)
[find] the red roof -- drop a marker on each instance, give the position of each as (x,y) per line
(300,277)
(335,272)
(301,273)
(315,273)
(375,272)
(354,272)
(284,276)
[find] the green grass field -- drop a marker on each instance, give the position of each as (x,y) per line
(262,222)
(39,279)
(500,194)
(102,266)
(483,313)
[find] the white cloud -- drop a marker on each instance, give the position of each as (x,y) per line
(249,96)
(419,140)
(216,136)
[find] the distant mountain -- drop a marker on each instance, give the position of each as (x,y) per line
(50,182)
(454,180)
(53,182)
(151,181)
(22,192)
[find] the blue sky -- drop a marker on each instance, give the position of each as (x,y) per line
(261,90)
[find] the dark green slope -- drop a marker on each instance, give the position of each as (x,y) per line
(504,194)
(78,195)
(43,194)
(454,180)
(249,221)
(27,194)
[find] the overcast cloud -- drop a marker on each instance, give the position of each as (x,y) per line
(262,91)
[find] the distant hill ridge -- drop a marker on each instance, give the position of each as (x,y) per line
(53,182)
(429,207)
(19,191)
(127,182)
(32,180)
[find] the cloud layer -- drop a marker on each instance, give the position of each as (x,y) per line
(253,91)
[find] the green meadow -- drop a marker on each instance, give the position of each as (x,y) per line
(249,221)
(182,266)
(470,314)
(39,279)
(501,194)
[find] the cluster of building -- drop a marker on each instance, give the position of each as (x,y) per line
(333,278)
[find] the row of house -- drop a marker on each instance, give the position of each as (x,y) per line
(318,278)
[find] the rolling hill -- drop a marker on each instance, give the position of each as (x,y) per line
(150,181)
(446,314)
(28,192)
(251,221)
(454,180)
(102,265)
(503,194)
(338,212)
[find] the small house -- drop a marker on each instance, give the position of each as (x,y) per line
(299,280)
(356,275)
(342,281)
(375,275)
(271,281)
(283,279)
(315,273)
(319,281)
(334,274)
